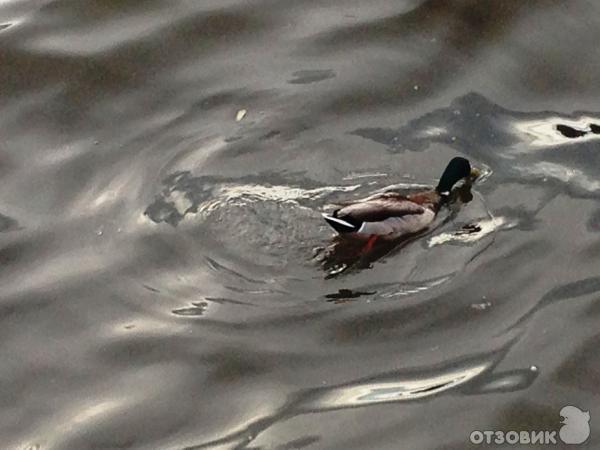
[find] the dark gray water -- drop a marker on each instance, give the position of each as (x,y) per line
(162,276)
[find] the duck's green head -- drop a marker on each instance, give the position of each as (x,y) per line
(457,169)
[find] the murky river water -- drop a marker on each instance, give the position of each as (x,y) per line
(162,282)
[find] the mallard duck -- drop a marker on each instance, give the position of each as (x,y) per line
(393,215)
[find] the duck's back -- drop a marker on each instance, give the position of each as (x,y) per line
(389,213)
(396,226)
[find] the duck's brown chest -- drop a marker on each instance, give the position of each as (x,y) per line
(428,199)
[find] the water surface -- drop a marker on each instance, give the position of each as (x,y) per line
(162,275)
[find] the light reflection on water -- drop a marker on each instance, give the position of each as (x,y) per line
(558,131)
(397,390)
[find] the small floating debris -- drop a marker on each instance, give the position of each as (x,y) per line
(240,115)
(481,306)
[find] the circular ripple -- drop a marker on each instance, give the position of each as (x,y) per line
(266,234)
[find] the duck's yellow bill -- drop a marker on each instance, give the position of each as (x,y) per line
(475,173)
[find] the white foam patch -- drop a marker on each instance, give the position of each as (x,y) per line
(249,193)
(543,133)
(564,174)
(356,176)
(486,227)
(180,201)
(434,131)
(280,193)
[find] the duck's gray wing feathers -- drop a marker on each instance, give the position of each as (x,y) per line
(386,213)
(378,209)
